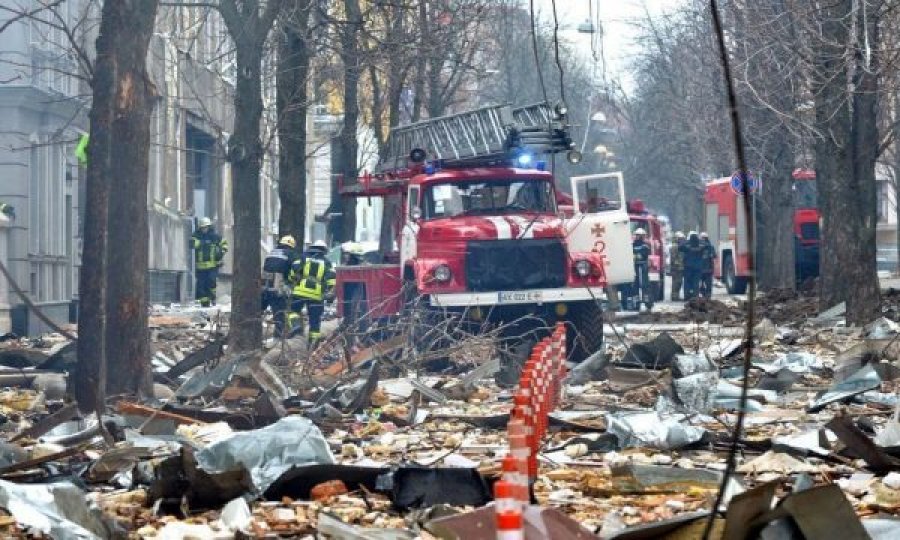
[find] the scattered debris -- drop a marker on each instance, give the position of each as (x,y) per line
(862,381)
(358,441)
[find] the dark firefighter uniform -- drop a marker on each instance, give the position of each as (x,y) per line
(676,259)
(692,251)
(277,269)
(641,252)
(209,254)
(709,262)
(312,277)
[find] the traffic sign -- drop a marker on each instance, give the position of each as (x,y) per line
(737,183)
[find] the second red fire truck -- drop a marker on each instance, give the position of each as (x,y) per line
(725,221)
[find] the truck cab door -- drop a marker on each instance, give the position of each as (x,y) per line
(600,224)
(408,244)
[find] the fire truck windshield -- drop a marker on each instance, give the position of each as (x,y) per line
(488,197)
(805,194)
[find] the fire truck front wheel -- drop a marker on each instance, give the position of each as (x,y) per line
(733,283)
(586,334)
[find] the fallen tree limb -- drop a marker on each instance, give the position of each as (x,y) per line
(136,409)
(31,305)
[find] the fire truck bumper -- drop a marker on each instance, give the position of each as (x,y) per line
(533,296)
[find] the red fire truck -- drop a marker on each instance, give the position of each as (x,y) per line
(726,225)
(480,233)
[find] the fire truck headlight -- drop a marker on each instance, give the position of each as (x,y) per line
(583,268)
(442,273)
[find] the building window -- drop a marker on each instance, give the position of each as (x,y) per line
(48,234)
(884,202)
(200,155)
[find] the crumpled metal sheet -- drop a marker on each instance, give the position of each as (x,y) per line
(882,528)
(419,487)
(697,392)
(59,510)
(799,361)
(651,429)
(686,365)
(211,382)
(862,381)
(814,441)
(333,527)
(269,452)
(882,328)
(726,390)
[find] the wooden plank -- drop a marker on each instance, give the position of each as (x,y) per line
(127,407)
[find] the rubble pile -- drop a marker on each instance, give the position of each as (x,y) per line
(637,449)
(787,306)
(698,310)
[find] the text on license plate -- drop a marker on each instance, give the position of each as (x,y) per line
(509,297)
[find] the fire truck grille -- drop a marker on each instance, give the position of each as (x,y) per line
(503,265)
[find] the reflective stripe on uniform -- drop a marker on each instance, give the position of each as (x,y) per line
(209,252)
(310,283)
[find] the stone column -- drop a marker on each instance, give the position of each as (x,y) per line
(5,319)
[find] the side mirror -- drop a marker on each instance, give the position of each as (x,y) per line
(566,211)
(415,213)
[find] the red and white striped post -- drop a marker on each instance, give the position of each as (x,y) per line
(510,525)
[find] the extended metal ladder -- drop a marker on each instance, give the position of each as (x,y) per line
(487,133)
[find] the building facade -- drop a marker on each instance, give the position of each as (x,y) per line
(44,103)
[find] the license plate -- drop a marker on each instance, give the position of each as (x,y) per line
(520,297)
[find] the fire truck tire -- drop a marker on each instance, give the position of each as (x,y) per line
(358,308)
(733,283)
(586,336)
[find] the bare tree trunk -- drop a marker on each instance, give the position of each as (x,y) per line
(350,56)
(864,304)
(117,151)
(845,170)
(294,55)
(248,28)
(776,245)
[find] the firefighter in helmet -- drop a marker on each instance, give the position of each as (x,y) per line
(209,254)
(641,250)
(352,253)
(276,271)
(709,263)
(692,252)
(312,278)
(676,259)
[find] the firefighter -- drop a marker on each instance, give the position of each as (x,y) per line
(692,255)
(352,253)
(676,259)
(641,250)
(277,268)
(312,277)
(209,254)
(709,262)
